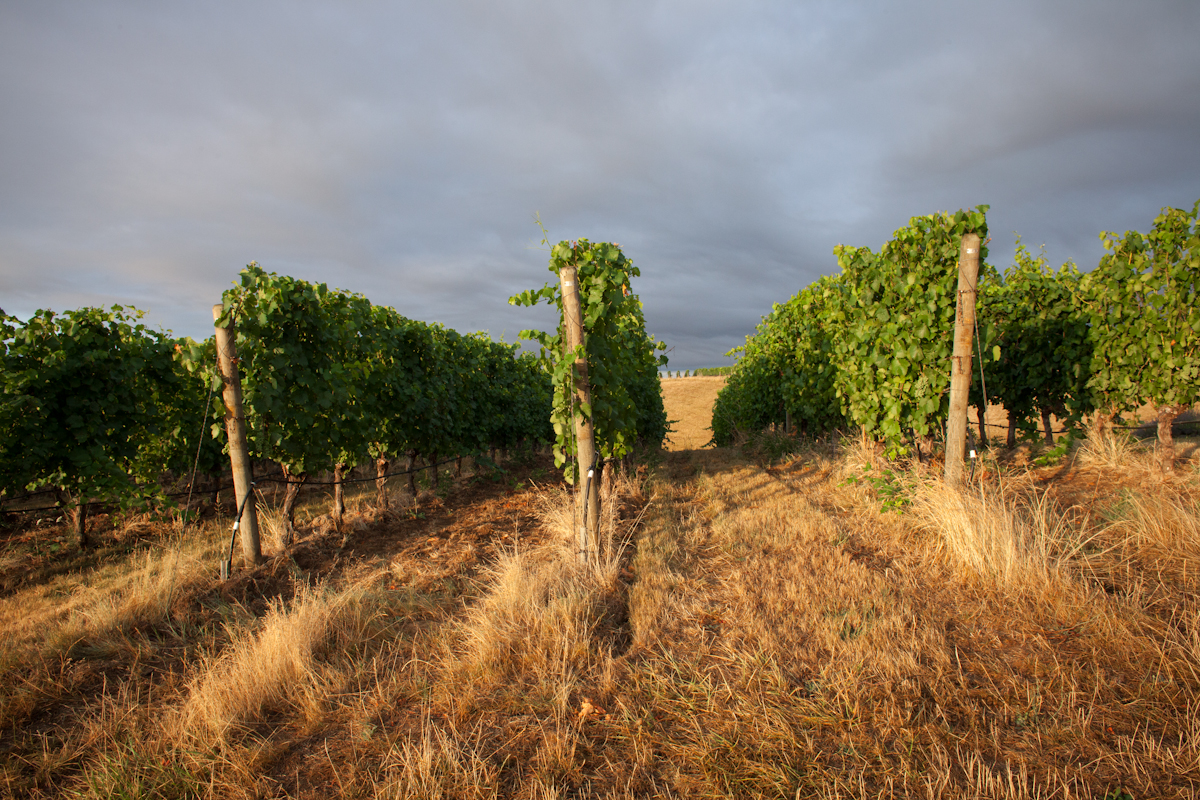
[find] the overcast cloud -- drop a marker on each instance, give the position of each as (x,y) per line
(149,150)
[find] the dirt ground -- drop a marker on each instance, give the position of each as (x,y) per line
(689,403)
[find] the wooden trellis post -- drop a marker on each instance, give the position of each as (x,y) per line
(588,473)
(235,429)
(960,363)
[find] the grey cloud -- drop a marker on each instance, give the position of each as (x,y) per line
(400,150)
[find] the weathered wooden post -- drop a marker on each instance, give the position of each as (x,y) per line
(588,474)
(410,466)
(235,429)
(960,363)
(1165,417)
(339,495)
(381,472)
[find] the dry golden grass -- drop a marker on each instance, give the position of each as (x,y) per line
(753,631)
(133,591)
(275,662)
(970,635)
(271,528)
(989,537)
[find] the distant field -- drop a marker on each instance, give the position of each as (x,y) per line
(689,403)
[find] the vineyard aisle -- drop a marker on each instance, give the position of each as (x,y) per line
(689,404)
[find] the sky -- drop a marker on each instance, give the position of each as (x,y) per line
(401,150)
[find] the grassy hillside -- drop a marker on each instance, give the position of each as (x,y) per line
(689,403)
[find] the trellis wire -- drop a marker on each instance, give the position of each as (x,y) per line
(196,463)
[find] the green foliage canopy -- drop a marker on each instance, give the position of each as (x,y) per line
(622,358)
(869,347)
(82,392)
(1036,341)
(784,368)
(1144,315)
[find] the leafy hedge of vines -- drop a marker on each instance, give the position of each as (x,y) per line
(95,404)
(623,359)
(869,347)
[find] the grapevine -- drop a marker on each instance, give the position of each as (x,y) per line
(328,379)
(1038,341)
(1144,316)
(869,347)
(82,405)
(622,359)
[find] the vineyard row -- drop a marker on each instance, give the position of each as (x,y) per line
(870,347)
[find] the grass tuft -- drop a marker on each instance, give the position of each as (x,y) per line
(273,665)
(991,536)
